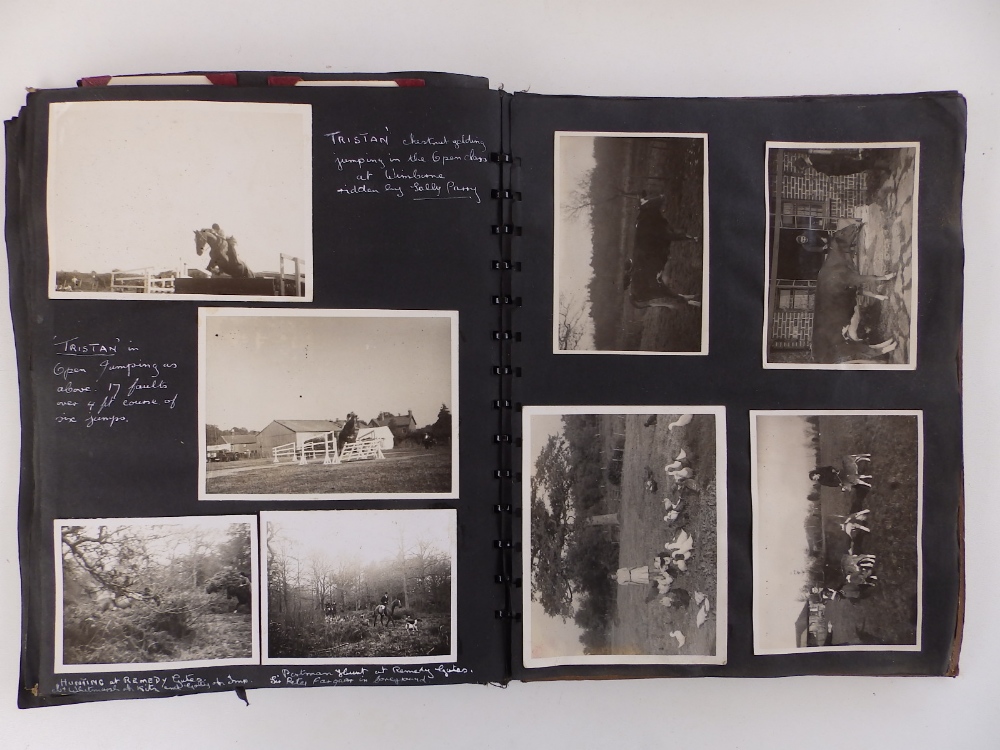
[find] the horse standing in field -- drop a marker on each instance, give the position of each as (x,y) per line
(383,613)
(222,256)
(645,277)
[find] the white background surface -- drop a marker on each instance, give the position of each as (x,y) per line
(705,48)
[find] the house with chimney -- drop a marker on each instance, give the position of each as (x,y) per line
(400,425)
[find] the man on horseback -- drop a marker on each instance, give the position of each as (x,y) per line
(346,435)
(222,253)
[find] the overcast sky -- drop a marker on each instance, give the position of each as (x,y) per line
(368,536)
(785,457)
(130,181)
(574,235)
(266,366)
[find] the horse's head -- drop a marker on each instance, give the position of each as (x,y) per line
(200,240)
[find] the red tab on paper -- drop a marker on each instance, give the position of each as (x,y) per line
(222,79)
(93,81)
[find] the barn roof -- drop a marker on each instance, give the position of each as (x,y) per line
(310,425)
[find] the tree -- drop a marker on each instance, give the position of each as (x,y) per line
(551,527)
(572,325)
(596,187)
(213,435)
(441,429)
(115,558)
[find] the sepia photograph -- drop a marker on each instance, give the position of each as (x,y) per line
(327,404)
(841,256)
(624,540)
(360,586)
(169,200)
(630,243)
(837,513)
(155,593)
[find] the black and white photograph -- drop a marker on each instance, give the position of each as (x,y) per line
(165,200)
(155,593)
(837,513)
(625,538)
(360,586)
(328,404)
(841,256)
(631,243)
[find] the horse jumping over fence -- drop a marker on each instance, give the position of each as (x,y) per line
(222,253)
(383,613)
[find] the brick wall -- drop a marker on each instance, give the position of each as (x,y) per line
(844,192)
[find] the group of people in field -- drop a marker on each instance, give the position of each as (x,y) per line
(671,565)
(855,577)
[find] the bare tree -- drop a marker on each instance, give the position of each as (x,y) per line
(588,195)
(571,323)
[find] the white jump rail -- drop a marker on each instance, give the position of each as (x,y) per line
(325,446)
(143,281)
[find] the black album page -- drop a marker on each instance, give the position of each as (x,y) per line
(737,371)
(254,330)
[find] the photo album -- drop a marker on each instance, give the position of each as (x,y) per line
(397,379)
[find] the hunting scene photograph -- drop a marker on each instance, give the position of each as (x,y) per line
(837,513)
(155,593)
(631,243)
(360,586)
(625,541)
(841,256)
(328,404)
(171,200)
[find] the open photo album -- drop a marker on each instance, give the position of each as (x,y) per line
(297,410)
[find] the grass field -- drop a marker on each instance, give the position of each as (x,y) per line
(673,168)
(889,615)
(401,471)
(642,627)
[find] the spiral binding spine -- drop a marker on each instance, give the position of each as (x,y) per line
(504,335)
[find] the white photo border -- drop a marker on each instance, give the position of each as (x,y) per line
(914,234)
(721,603)
(556,237)
(60,667)
(304,109)
(218,312)
(450,658)
(757,550)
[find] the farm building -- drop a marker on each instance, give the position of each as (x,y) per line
(298,431)
(245,445)
(806,204)
(400,425)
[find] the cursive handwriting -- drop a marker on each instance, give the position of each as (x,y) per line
(107,393)
(420,167)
